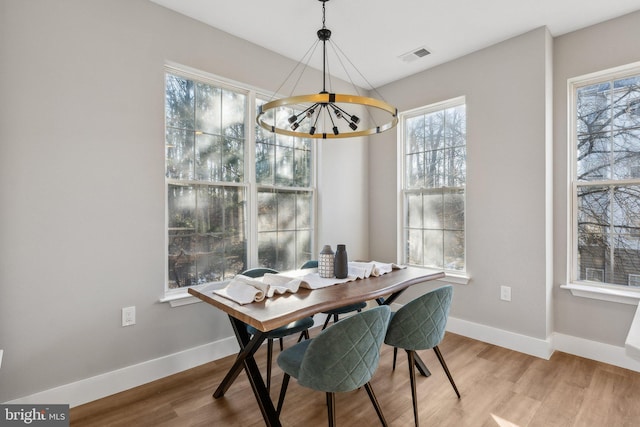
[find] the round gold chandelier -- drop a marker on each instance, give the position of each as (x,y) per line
(325,114)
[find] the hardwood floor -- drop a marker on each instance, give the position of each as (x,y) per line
(499,387)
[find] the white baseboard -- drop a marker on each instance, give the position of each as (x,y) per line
(100,386)
(90,389)
(500,337)
(606,353)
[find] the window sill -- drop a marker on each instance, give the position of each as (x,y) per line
(604,293)
(180,297)
(455,278)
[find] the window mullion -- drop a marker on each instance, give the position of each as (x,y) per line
(250,181)
(612,237)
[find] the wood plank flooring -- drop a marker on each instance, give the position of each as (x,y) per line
(499,387)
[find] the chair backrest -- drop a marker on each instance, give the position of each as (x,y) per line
(258,272)
(345,356)
(420,324)
(312,263)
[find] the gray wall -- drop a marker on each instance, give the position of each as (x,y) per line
(508,167)
(600,47)
(82,184)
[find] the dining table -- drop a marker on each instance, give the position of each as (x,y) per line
(281,309)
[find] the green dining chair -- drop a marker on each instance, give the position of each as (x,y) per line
(335,313)
(299,326)
(420,325)
(341,358)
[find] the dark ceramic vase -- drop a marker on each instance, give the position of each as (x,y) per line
(341,267)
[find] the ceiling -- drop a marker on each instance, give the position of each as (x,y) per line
(374,34)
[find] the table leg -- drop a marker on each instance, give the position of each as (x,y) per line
(248,347)
(422,368)
(246,360)
(269,413)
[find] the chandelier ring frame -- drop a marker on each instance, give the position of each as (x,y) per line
(326,99)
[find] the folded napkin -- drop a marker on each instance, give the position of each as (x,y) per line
(314,281)
(280,284)
(244,289)
(362,270)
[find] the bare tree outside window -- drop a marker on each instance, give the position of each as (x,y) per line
(607,179)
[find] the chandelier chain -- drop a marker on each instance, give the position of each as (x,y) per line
(323,14)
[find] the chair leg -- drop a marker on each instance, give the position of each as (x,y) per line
(446,370)
(281,345)
(326,322)
(376,405)
(395,355)
(331,408)
(304,334)
(283,391)
(269,360)
(412,379)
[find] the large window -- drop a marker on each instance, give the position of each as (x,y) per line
(433,189)
(605,179)
(237,197)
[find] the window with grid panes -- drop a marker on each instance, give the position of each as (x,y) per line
(433,189)
(605,178)
(221,219)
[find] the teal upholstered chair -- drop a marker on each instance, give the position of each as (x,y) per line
(335,312)
(341,358)
(420,325)
(301,325)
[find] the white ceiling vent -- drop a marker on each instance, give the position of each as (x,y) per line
(418,53)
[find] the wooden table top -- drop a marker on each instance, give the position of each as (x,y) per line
(271,313)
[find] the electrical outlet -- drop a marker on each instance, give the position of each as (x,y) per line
(128,316)
(505,293)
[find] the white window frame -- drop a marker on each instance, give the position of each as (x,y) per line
(582,288)
(180,296)
(452,276)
